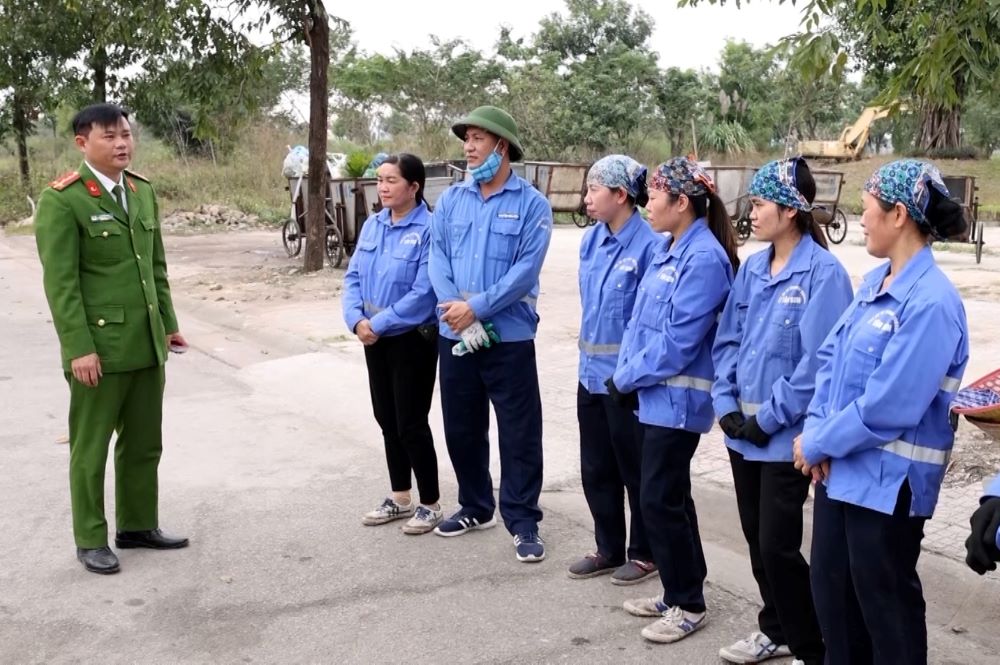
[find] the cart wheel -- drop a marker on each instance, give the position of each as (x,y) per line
(979,243)
(334,247)
(743,230)
(836,230)
(291,238)
(581,220)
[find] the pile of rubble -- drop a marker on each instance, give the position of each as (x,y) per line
(210,217)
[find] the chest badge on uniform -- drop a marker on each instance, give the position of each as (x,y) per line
(885,321)
(410,239)
(508,215)
(667,274)
(793,296)
(628,264)
(102,217)
(92,187)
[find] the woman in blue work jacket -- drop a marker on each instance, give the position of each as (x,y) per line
(389,305)
(666,362)
(878,432)
(784,301)
(614,255)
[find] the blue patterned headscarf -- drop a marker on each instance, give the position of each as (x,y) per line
(775,181)
(616,171)
(681,175)
(907,181)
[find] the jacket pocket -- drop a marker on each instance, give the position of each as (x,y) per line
(103,243)
(619,295)
(784,338)
(105,323)
(504,234)
(405,261)
(458,236)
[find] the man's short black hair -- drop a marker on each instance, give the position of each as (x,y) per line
(105,115)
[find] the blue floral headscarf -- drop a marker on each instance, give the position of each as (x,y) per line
(681,175)
(616,171)
(907,181)
(775,181)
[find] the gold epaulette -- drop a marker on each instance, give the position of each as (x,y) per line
(65,180)
(137,175)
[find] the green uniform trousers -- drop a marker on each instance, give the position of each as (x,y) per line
(130,403)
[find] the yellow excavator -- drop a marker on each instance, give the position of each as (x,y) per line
(852,141)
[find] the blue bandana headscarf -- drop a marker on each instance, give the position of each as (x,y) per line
(906,181)
(681,175)
(775,181)
(616,171)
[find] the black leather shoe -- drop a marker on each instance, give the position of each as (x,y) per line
(154,540)
(101,560)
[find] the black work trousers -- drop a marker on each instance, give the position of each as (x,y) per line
(769,497)
(401,373)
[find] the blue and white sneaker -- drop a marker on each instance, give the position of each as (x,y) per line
(387,511)
(460,523)
(529,546)
(754,649)
(646,607)
(675,625)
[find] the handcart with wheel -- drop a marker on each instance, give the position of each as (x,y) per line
(828,212)
(964,190)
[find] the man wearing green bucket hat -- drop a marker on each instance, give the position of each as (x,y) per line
(489,236)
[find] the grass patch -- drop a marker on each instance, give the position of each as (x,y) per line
(20,230)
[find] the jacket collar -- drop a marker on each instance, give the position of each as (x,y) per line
(799,261)
(914,269)
(625,233)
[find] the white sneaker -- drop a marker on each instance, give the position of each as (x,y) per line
(387,511)
(798,662)
(675,625)
(424,520)
(754,649)
(645,607)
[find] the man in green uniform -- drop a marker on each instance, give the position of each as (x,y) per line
(105,277)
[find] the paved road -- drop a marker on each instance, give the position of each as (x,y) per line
(270,459)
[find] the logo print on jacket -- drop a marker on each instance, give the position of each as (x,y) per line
(885,321)
(667,274)
(412,238)
(793,295)
(628,264)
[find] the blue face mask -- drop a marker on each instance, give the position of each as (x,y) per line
(489,168)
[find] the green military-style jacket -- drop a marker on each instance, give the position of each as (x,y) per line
(105,271)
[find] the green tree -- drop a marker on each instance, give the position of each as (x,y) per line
(933,53)
(681,96)
(596,73)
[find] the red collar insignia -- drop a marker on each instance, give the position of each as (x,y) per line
(92,187)
(131,185)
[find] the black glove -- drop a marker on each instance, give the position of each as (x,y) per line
(624,400)
(731,424)
(981,544)
(752,432)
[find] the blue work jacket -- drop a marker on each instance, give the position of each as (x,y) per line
(765,348)
(667,349)
(386,280)
(991,491)
(889,370)
(489,252)
(611,267)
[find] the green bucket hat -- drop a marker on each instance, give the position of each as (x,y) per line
(495,121)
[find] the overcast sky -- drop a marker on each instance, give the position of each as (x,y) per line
(686,38)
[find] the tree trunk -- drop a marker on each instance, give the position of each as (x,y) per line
(20,123)
(939,127)
(318,38)
(99,64)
